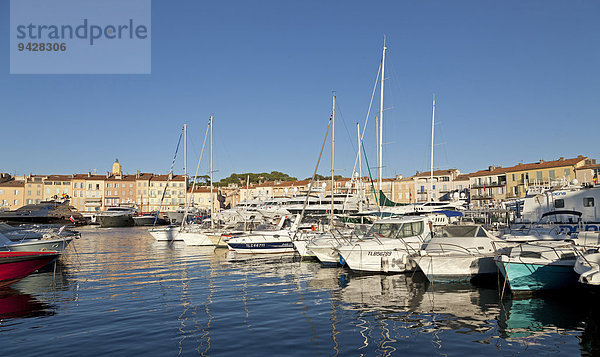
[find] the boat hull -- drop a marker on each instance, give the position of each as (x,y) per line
(44,245)
(384,261)
(115,221)
(166,234)
(529,277)
(14,266)
(196,238)
(440,268)
(261,247)
(326,254)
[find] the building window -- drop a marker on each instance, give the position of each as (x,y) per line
(567,173)
(16,202)
(538,176)
(588,202)
(551,175)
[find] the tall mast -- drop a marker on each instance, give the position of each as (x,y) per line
(432,131)
(332,159)
(360,193)
(381,116)
(377,145)
(212,201)
(185,178)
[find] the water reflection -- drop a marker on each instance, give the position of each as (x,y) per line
(127,287)
(16,304)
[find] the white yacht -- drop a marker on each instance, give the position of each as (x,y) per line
(458,253)
(388,245)
(572,208)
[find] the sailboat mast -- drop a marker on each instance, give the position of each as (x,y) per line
(212,201)
(185,178)
(332,159)
(432,131)
(381,117)
(359,183)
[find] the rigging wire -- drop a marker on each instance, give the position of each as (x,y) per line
(170,174)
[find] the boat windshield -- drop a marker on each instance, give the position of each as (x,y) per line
(411,229)
(383,230)
(460,231)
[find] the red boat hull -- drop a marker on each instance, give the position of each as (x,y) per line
(14,266)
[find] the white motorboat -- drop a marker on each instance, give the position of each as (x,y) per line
(458,253)
(324,247)
(264,239)
(571,207)
(587,264)
(388,245)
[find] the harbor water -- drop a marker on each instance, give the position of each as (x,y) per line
(119,292)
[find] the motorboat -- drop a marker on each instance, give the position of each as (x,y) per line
(388,245)
(149,219)
(14,266)
(46,212)
(529,233)
(277,239)
(324,246)
(458,252)
(571,207)
(536,266)
(116,217)
(587,265)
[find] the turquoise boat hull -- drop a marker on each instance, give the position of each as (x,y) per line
(523,277)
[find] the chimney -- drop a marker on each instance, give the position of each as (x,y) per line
(491,168)
(107,174)
(541,161)
(561,158)
(89,174)
(137,174)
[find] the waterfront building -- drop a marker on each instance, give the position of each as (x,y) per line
(12,194)
(142,186)
(428,190)
(201,198)
(589,173)
(93,193)
(542,173)
(34,189)
(57,187)
(168,188)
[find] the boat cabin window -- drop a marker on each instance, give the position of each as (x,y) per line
(568,256)
(559,203)
(529,254)
(411,229)
(383,230)
(588,202)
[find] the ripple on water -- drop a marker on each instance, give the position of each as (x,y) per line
(118,291)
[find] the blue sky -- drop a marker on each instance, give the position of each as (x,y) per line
(514,81)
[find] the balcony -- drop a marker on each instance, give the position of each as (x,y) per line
(489,184)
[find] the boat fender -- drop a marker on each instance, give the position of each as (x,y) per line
(405,259)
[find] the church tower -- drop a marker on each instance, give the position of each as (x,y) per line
(116,170)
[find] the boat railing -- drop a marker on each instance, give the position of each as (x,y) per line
(552,249)
(456,249)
